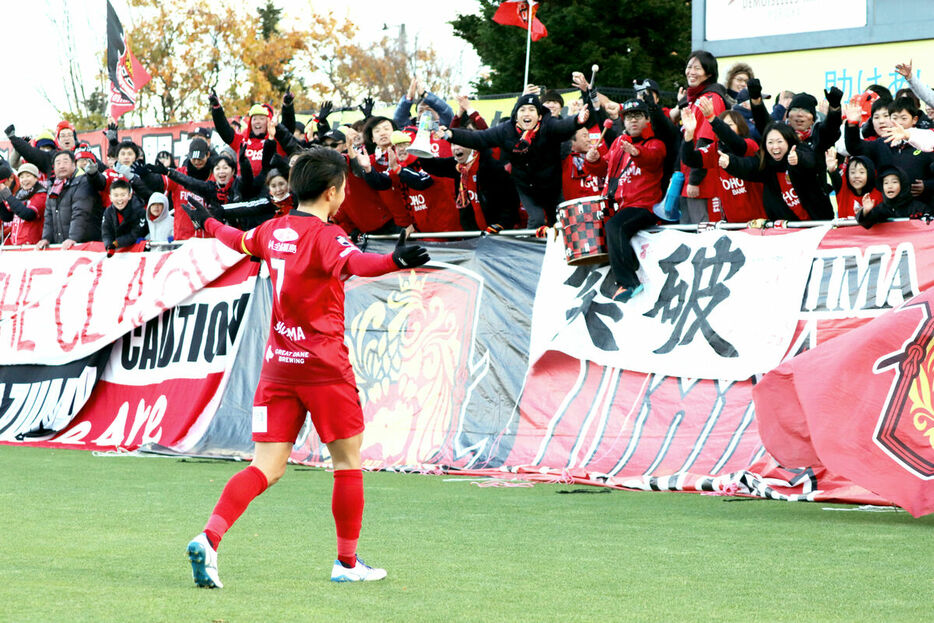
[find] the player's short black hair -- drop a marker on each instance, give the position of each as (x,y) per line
(121,183)
(315,171)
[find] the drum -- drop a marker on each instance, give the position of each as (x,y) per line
(582,227)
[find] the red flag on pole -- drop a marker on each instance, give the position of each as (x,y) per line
(862,405)
(517,13)
(127,76)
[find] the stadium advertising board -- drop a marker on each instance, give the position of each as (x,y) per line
(764,18)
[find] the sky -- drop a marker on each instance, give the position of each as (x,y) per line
(31,31)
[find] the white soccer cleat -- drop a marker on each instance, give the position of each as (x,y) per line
(203,559)
(360,573)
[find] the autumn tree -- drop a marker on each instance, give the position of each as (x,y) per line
(627,38)
(383,69)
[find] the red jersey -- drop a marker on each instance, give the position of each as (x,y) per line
(640,177)
(790,196)
(363,208)
(430,209)
(737,200)
(254,148)
(576,180)
(710,185)
(848,202)
(182,227)
(30,232)
(305,257)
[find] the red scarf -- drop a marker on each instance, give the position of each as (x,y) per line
(694,92)
(525,141)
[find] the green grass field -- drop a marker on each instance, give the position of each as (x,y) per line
(88,538)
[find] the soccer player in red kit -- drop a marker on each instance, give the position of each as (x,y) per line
(306,367)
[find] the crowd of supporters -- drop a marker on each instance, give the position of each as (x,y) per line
(720,147)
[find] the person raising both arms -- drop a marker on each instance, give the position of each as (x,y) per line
(306,367)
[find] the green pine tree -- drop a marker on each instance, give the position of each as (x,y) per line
(628,39)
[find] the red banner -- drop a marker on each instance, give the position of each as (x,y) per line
(167,374)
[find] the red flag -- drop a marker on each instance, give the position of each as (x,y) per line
(516,13)
(861,404)
(127,76)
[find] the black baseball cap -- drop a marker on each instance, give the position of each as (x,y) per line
(198,148)
(635,106)
(334,135)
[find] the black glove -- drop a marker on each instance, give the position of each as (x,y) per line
(5,193)
(367,107)
(138,168)
(834,97)
(269,150)
(288,98)
(92,168)
(754,86)
(242,155)
(196,212)
(111,133)
(409,255)
(10,130)
(212,99)
(157,167)
(326,109)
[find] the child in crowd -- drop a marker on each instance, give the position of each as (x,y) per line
(897,201)
(852,182)
(158,219)
(124,219)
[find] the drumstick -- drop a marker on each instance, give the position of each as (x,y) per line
(607,124)
(593,73)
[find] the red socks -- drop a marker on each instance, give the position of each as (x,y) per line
(240,490)
(347,508)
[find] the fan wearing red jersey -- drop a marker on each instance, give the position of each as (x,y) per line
(306,367)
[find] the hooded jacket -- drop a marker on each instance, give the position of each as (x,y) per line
(915,163)
(902,205)
(849,200)
(536,171)
(160,227)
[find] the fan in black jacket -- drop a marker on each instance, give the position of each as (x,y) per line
(897,201)
(225,187)
(786,168)
(125,219)
(531,140)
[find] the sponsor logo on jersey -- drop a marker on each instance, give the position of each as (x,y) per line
(293,333)
(282,247)
(285,234)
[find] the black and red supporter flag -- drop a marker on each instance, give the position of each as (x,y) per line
(861,404)
(127,76)
(518,13)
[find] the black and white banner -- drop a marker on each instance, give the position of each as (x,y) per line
(715,305)
(38,400)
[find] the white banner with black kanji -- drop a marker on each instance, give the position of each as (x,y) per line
(715,305)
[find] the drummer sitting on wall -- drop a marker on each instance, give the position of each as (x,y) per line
(635,163)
